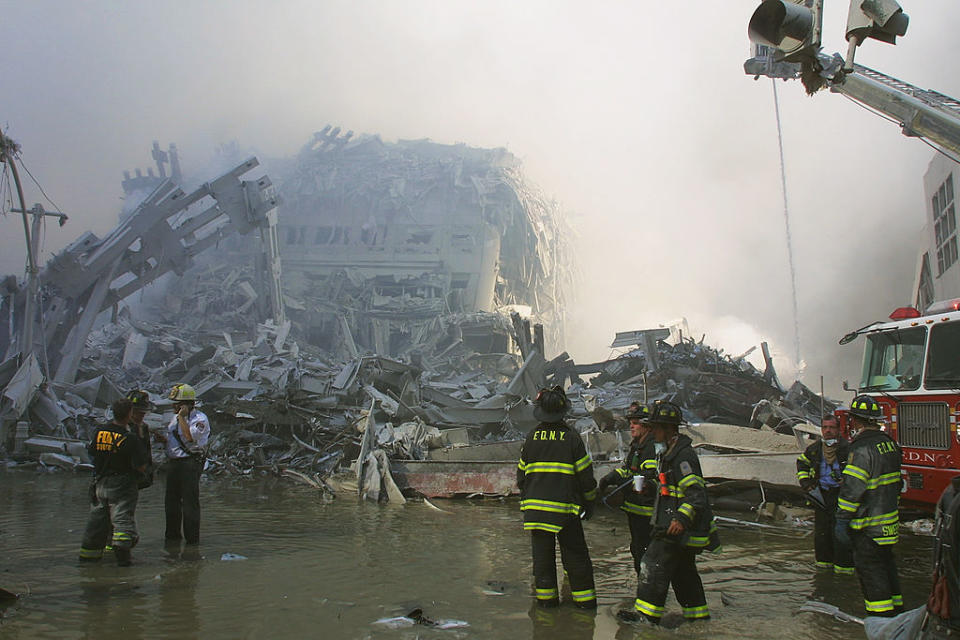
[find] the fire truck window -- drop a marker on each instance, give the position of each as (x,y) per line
(943,360)
(893,360)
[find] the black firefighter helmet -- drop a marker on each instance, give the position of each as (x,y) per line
(866,408)
(551,405)
(640,412)
(665,414)
(140,400)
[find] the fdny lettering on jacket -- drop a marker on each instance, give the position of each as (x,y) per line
(548,434)
(109,440)
(886,447)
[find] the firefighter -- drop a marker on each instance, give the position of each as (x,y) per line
(819,470)
(637,477)
(185,438)
(557,489)
(116,462)
(141,406)
(682,524)
(868,507)
(943,605)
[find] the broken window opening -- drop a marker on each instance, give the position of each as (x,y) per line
(323,235)
(460,281)
(420,237)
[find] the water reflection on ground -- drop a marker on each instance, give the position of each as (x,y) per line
(332,570)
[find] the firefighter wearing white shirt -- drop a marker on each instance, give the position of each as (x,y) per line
(186,438)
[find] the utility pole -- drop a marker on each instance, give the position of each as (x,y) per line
(9,148)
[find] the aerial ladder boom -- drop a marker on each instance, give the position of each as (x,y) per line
(921,113)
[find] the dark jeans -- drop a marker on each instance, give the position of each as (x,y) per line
(877,571)
(639,537)
(830,553)
(576,561)
(114,509)
(182,499)
(664,564)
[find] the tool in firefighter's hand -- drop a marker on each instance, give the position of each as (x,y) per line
(815,496)
(587,511)
(625,484)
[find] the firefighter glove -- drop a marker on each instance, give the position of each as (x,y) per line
(841,532)
(587,512)
(609,480)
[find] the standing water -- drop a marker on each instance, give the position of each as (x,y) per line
(316,570)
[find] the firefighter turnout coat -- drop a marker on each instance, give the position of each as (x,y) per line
(809,462)
(870,492)
(682,495)
(555,477)
(640,461)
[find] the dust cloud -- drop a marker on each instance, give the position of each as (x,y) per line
(637,117)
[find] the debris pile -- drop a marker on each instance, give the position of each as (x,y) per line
(422,287)
(710,386)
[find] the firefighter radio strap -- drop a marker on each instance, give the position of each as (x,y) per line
(192,450)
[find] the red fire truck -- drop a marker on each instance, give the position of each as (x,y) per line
(911,366)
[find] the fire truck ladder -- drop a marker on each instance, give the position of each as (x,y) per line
(921,113)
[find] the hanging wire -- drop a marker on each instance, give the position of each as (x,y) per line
(52,203)
(6,193)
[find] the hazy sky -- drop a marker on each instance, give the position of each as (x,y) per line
(636,116)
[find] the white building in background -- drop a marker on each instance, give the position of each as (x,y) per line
(938,268)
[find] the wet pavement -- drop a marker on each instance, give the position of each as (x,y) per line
(316,570)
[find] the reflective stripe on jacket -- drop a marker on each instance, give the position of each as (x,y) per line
(808,463)
(555,476)
(684,497)
(870,492)
(640,461)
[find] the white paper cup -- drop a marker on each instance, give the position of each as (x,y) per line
(638,483)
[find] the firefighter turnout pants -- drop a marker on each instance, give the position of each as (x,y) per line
(639,537)
(576,563)
(664,564)
(877,571)
(115,506)
(182,499)
(830,553)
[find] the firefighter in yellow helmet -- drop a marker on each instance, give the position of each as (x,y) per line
(868,507)
(186,439)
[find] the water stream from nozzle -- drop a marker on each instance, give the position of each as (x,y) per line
(786,222)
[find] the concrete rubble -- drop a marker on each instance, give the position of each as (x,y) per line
(423,291)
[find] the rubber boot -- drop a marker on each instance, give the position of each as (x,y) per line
(123,556)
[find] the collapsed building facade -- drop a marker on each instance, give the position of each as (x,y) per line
(379,240)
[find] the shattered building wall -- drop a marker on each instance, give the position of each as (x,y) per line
(380,239)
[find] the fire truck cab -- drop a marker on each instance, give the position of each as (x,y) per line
(911,367)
